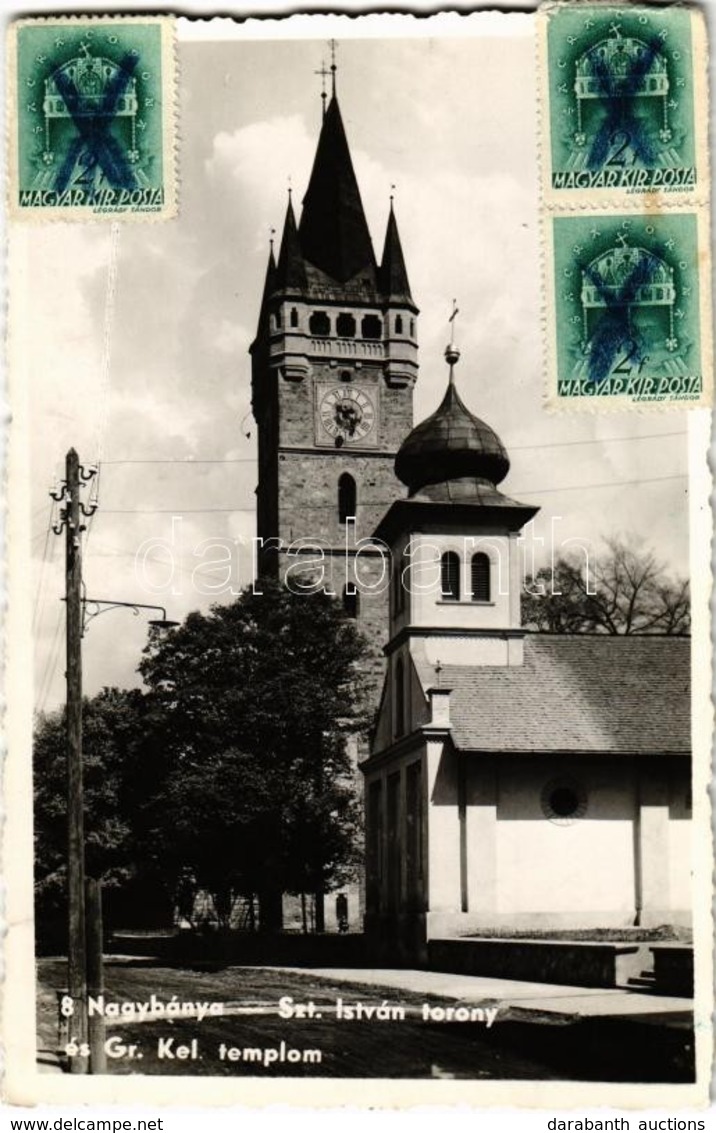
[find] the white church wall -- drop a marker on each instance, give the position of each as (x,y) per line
(572,871)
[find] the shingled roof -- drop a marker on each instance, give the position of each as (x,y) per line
(333,230)
(576,693)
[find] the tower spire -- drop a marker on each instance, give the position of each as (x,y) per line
(290,271)
(393,274)
(334,231)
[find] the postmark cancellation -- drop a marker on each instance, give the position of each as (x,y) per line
(91,118)
(624,102)
(628,309)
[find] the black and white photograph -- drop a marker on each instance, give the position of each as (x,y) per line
(357,700)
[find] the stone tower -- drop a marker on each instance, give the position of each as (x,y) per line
(334,364)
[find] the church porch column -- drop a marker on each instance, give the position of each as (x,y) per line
(443,819)
(653,904)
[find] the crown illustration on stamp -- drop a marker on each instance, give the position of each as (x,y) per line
(620,67)
(90,87)
(626,277)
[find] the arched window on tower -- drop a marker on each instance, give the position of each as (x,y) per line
(346,497)
(480,577)
(319,324)
(351,601)
(371,327)
(398,324)
(345,326)
(412,328)
(399,697)
(294,317)
(450,576)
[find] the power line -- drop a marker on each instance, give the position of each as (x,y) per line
(53,656)
(43,566)
(188,461)
(387,503)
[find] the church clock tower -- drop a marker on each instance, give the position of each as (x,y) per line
(334,363)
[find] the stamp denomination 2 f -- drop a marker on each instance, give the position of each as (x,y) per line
(628,310)
(92,118)
(622,85)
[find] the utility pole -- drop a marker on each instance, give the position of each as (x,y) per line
(70,520)
(85,1048)
(77,951)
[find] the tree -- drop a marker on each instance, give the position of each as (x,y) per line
(252,705)
(112,725)
(626,590)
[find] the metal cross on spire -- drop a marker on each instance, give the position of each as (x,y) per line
(324,73)
(452,354)
(334,67)
(451,320)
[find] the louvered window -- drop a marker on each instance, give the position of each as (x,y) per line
(480,577)
(450,576)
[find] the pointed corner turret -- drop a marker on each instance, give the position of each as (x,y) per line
(290,272)
(393,275)
(270,278)
(334,232)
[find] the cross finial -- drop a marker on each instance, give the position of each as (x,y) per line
(324,73)
(622,239)
(272,233)
(438,671)
(334,67)
(290,186)
(392,195)
(452,354)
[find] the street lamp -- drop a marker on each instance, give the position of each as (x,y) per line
(103,605)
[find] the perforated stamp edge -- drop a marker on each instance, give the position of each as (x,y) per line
(631,197)
(122,204)
(643,390)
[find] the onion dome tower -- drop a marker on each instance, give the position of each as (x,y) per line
(453,455)
(456,561)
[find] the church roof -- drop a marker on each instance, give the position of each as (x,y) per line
(575,693)
(451,445)
(393,274)
(333,230)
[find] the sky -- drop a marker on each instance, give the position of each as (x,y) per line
(130,342)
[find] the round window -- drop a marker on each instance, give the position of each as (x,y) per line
(564,801)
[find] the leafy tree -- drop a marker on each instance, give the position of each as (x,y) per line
(251,705)
(112,723)
(626,590)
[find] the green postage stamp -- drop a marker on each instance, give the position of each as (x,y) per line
(91,118)
(629,309)
(623,100)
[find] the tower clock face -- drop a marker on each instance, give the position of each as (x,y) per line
(347,414)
